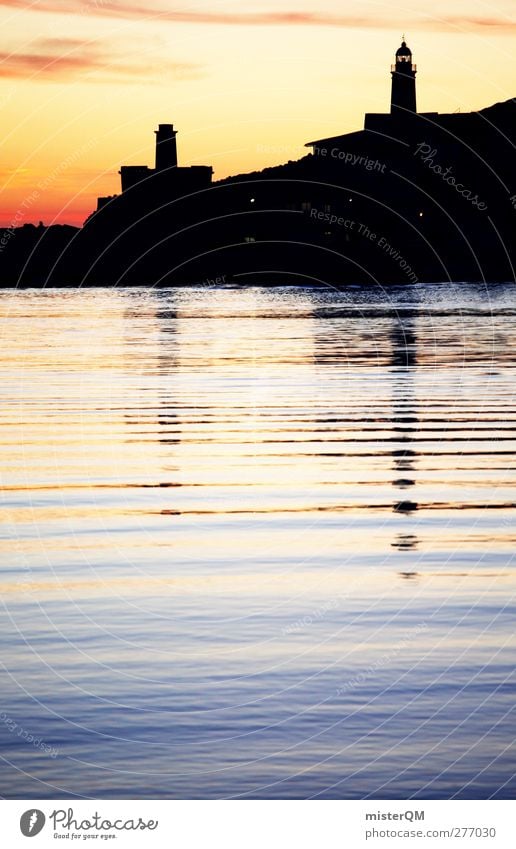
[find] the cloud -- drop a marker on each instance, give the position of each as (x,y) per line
(70,58)
(124,9)
(111,8)
(467,24)
(228,18)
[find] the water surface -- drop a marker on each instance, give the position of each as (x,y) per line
(258,543)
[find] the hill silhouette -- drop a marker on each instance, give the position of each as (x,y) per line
(411,197)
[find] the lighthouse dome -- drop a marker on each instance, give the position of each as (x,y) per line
(403,53)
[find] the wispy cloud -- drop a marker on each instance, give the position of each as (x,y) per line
(69,58)
(486,26)
(123,9)
(132,10)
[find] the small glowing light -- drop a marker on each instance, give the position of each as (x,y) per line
(253,200)
(420,214)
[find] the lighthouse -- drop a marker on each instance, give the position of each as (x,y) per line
(403,72)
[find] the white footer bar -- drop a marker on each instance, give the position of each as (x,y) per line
(259,824)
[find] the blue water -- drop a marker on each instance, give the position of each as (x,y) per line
(258,543)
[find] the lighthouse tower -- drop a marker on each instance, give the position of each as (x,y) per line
(403,97)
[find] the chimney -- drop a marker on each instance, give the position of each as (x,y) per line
(166,149)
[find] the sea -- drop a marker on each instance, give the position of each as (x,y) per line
(258,543)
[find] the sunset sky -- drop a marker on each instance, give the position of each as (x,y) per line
(84,83)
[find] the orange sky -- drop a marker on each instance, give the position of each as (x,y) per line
(83,83)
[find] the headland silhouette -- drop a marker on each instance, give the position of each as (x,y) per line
(412,197)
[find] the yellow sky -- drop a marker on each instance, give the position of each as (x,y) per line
(83,83)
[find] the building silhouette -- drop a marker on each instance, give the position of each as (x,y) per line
(403,108)
(403,92)
(410,197)
(167,178)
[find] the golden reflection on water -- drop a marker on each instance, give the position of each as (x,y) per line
(277,480)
